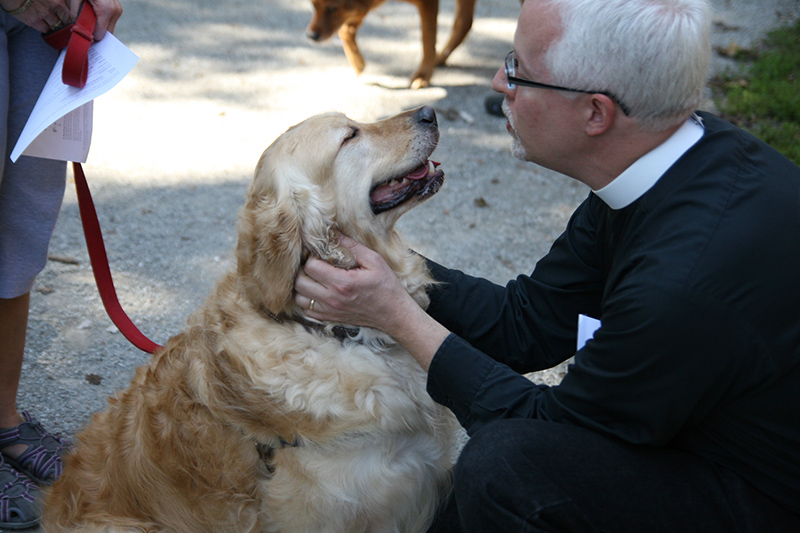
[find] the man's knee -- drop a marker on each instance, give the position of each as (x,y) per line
(499,480)
(480,476)
(484,457)
(501,448)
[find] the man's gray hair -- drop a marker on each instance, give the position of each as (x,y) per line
(651,54)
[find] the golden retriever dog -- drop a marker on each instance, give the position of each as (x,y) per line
(257,419)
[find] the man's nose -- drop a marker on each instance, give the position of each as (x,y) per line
(499,82)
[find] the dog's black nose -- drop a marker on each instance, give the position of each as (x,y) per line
(425,114)
(314,36)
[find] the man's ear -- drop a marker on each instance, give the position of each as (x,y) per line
(602,112)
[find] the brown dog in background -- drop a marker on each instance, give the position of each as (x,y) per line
(345,16)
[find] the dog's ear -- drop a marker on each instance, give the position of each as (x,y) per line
(269,249)
(283,221)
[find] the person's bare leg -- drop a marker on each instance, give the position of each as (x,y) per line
(13,331)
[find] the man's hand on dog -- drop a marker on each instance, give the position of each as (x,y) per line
(369,295)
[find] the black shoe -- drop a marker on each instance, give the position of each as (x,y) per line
(494,104)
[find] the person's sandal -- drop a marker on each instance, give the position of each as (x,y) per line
(19,503)
(42,460)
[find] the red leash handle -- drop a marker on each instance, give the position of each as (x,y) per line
(102,272)
(76,38)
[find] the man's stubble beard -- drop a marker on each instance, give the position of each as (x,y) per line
(517,149)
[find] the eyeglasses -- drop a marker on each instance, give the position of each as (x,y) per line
(513,81)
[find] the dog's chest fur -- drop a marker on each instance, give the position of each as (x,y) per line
(321,385)
(339,416)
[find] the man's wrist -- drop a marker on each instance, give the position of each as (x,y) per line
(421,335)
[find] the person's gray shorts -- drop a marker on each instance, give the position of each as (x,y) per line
(32,189)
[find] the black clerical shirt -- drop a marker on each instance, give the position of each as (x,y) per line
(697,285)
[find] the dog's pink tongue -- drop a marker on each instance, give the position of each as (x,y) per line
(391,189)
(418,174)
(387,191)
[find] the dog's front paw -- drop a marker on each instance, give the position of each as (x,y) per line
(420,83)
(421,78)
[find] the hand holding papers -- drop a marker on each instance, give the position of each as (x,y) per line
(60,126)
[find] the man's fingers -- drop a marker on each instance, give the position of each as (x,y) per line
(317,269)
(364,257)
(306,285)
(348,242)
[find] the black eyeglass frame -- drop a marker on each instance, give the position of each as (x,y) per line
(513,81)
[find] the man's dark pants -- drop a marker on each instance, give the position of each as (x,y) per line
(529,475)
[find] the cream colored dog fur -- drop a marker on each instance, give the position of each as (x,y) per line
(255,419)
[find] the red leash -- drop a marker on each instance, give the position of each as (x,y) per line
(100,267)
(77,38)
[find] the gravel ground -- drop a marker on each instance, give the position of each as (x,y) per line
(175,145)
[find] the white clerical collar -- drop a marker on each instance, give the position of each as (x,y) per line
(648,169)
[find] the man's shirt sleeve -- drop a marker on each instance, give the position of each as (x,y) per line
(649,372)
(531,323)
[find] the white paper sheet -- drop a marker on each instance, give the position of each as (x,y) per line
(586,328)
(66,139)
(60,125)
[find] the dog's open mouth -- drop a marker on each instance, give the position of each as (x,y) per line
(422,182)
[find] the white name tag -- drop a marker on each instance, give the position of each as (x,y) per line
(586,328)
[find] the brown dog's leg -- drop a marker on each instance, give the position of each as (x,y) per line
(428,11)
(465,10)
(347,34)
